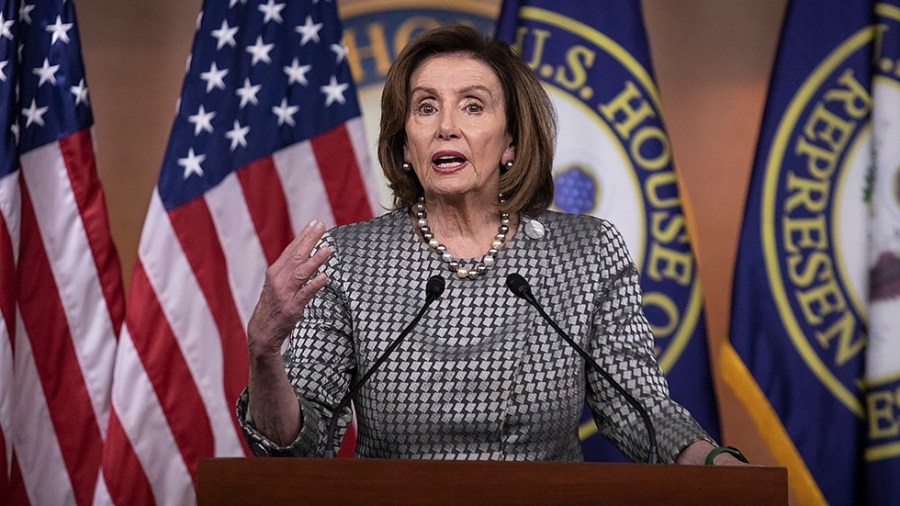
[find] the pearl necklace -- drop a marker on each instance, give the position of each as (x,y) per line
(477,270)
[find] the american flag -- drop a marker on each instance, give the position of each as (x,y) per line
(267,136)
(61,301)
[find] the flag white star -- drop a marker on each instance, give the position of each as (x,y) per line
(214,77)
(309,31)
(334,91)
(271,11)
(34,114)
(5,27)
(80,92)
(3,65)
(341,51)
(248,93)
(297,73)
(191,163)
(285,112)
(25,12)
(199,20)
(60,31)
(237,135)
(232,3)
(260,51)
(46,72)
(225,35)
(202,120)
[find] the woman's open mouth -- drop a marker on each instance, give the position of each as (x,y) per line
(448,162)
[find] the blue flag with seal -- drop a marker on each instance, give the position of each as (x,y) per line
(881,453)
(815,353)
(614,160)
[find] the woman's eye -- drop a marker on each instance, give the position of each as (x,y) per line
(426,108)
(473,108)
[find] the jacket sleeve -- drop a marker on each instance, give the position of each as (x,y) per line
(622,343)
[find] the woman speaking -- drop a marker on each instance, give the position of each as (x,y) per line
(466,143)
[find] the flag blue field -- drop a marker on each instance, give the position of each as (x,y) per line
(816,305)
(614,160)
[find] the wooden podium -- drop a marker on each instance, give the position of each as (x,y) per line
(272,481)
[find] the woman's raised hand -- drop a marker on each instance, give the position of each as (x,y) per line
(291,282)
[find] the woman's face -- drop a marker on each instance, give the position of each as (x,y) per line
(456,135)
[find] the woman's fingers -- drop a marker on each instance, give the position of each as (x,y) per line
(304,270)
(291,282)
(309,290)
(307,280)
(299,249)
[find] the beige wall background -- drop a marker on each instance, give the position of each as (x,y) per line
(712,60)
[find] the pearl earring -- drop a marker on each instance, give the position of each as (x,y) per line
(407,166)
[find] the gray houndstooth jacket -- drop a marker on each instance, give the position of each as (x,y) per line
(482,376)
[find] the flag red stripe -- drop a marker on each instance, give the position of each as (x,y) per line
(348,444)
(168,371)
(193,224)
(126,482)
(7,272)
(4,474)
(17,493)
(57,364)
(342,176)
(7,289)
(78,154)
(268,206)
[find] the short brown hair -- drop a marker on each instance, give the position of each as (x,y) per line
(530,118)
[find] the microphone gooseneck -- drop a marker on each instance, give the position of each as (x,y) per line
(433,289)
(518,286)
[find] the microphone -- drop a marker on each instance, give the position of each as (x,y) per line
(433,289)
(518,286)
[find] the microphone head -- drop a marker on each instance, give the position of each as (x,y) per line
(517,285)
(434,287)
